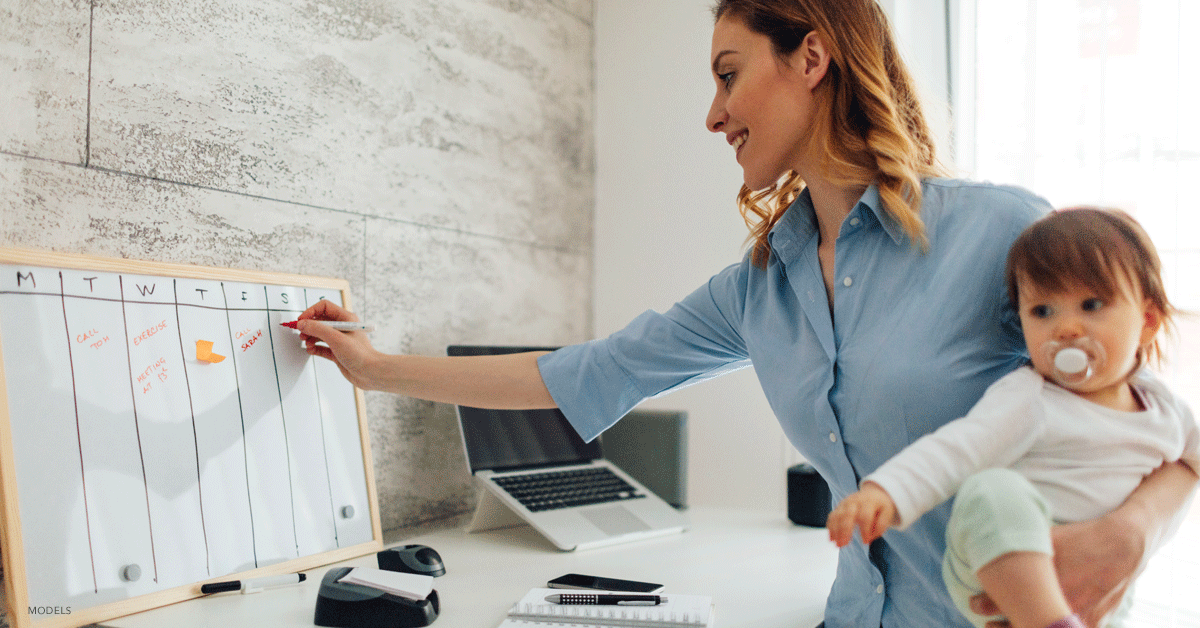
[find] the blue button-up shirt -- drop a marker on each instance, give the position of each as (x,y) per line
(913,340)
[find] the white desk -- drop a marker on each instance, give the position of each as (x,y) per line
(760,569)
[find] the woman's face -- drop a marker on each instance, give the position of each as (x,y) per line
(763,103)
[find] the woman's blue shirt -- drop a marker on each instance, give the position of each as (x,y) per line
(914,338)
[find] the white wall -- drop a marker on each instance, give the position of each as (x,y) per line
(666,216)
(666,220)
(920,27)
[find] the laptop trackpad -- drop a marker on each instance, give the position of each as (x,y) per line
(614,520)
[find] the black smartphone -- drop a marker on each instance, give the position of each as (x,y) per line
(580,581)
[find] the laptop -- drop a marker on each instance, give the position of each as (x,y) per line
(536,470)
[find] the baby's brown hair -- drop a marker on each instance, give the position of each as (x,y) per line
(1094,247)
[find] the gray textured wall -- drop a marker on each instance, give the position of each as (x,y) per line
(435,153)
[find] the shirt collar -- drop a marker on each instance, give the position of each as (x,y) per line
(874,207)
(799,223)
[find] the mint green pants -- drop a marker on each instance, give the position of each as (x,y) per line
(998,511)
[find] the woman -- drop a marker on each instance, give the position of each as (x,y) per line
(841,201)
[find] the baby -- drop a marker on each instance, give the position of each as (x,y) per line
(1064,439)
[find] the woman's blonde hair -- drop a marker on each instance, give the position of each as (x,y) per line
(868,123)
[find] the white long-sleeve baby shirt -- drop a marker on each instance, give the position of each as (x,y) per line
(1084,458)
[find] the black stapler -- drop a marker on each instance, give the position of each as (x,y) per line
(345,605)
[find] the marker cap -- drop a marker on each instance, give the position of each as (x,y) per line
(220,587)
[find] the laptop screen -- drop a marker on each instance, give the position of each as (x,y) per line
(507,439)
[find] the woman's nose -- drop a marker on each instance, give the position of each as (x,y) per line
(716,116)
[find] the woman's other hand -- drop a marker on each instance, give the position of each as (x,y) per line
(1098,560)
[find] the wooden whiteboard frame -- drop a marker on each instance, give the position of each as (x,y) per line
(11,542)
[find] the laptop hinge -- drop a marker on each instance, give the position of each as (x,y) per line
(545,466)
(491,513)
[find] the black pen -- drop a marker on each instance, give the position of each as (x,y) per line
(606,599)
(253,585)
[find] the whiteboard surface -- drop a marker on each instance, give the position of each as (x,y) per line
(143,463)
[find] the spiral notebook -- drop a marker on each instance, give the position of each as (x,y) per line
(680,611)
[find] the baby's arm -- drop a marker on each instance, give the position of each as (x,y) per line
(998,430)
(870,509)
(930,470)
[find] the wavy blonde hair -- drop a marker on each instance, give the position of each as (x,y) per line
(868,123)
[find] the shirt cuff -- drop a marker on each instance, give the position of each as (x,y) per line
(905,510)
(588,386)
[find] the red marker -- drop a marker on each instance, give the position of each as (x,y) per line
(338,325)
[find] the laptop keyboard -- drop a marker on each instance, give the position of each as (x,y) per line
(563,489)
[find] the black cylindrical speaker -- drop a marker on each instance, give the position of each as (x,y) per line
(809,500)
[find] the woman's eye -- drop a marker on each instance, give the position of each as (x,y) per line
(1093,304)
(726,78)
(1040,311)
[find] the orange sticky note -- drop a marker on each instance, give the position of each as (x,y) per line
(204,352)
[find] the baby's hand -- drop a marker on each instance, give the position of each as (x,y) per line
(871,510)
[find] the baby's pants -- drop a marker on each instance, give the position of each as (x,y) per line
(997,511)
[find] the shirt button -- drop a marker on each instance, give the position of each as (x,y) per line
(832,437)
(854,221)
(879,589)
(847,281)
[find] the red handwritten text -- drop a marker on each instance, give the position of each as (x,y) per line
(144,336)
(96,340)
(157,370)
(252,338)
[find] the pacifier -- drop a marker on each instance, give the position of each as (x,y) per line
(1073,361)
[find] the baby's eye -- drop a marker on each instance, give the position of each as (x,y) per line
(1092,305)
(1040,311)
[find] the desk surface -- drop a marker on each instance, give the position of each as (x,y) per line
(759,568)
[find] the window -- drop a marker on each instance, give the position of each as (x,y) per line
(1094,102)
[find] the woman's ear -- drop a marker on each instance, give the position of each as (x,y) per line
(811,59)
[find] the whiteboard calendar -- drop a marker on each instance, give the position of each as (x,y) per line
(165,430)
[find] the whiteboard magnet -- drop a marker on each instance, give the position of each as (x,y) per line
(347,512)
(131,573)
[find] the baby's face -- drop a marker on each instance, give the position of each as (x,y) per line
(1119,325)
